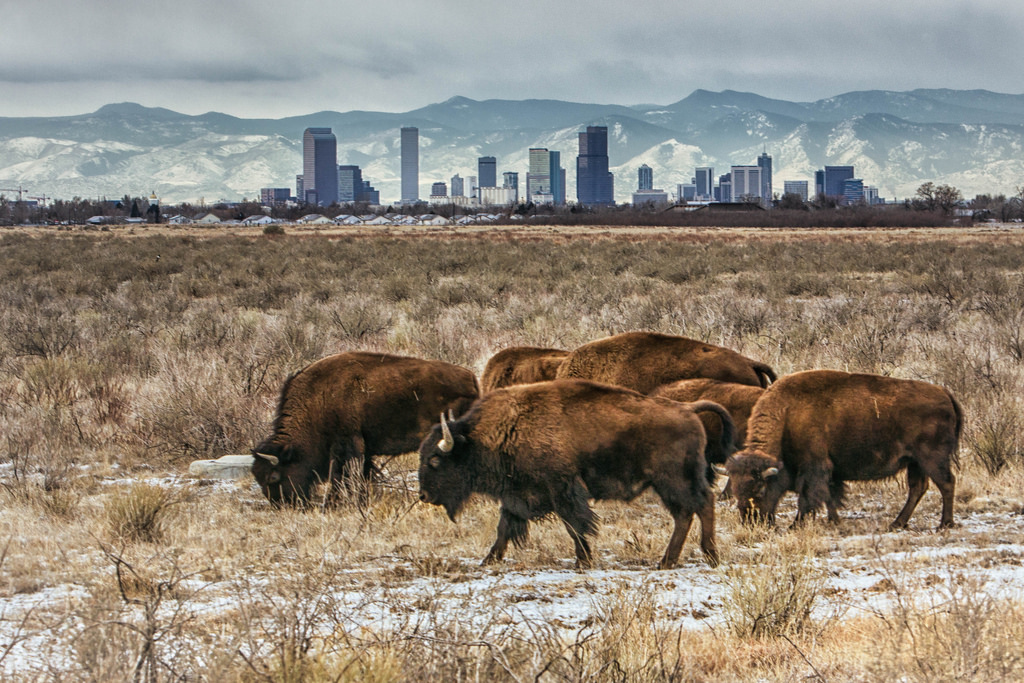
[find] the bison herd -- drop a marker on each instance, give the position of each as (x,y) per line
(546,430)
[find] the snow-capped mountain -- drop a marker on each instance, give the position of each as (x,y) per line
(896,140)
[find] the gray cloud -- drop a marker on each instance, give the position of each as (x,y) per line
(261,58)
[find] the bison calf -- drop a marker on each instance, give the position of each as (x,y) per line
(338,412)
(813,431)
(550,447)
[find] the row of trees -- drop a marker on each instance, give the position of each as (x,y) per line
(943,200)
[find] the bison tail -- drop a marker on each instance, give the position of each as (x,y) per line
(765,374)
(959,427)
(728,440)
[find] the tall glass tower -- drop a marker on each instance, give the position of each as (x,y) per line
(645,178)
(410,165)
(764,162)
(595,184)
(487,171)
(319,166)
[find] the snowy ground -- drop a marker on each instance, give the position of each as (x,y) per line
(865,573)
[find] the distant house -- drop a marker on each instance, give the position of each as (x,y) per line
(179,220)
(208,218)
(259,219)
(315,219)
(433,219)
(375,220)
(347,219)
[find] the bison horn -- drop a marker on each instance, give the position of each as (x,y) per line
(770,472)
(720,470)
(447,443)
(272,459)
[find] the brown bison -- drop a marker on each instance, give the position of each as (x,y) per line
(643,361)
(338,412)
(520,365)
(738,399)
(813,431)
(550,447)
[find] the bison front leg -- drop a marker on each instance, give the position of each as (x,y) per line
(510,528)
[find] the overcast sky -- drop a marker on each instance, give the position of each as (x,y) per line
(263,58)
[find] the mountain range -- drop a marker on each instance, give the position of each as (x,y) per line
(972,139)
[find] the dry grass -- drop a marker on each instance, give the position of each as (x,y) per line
(118,368)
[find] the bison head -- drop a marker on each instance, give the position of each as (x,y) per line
(757,482)
(282,473)
(445,476)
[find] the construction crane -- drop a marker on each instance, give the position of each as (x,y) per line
(19,190)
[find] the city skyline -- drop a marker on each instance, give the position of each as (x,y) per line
(279,63)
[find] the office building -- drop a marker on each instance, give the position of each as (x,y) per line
(319,166)
(595,184)
(458,186)
(300,190)
(746,183)
(369,194)
(650,198)
(498,196)
(511,182)
(724,188)
(487,170)
(538,177)
(645,178)
(835,176)
(272,196)
(438,193)
(853,191)
(557,178)
(352,187)
(819,183)
(350,183)
(797,187)
(764,162)
(410,146)
(687,192)
(705,182)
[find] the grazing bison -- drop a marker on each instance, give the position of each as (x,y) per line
(738,399)
(338,412)
(549,447)
(643,361)
(813,431)
(521,365)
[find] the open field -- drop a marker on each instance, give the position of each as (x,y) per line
(125,354)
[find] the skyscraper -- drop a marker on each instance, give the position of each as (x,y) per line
(595,184)
(764,162)
(319,166)
(746,184)
(645,178)
(410,165)
(350,183)
(511,179)
(487,170)
(557,177)
(457,185)
(705,182)
(538,177)
(834,178)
